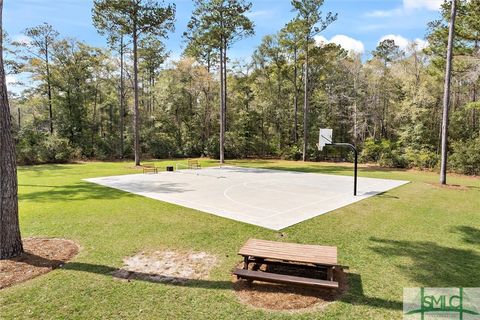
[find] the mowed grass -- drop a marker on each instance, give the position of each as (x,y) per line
(412,236)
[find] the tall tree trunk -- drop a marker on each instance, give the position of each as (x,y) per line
(136,111)
(206,120)
(94,120)
(474,96)
(446,96)
(474,111)
(225,89)
(295,98)
(49,89)
(10,239)
(222,109)
(122,101)
(305,106)
(355,111)
(154,101)
(150,90)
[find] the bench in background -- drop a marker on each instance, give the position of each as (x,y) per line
(150,167)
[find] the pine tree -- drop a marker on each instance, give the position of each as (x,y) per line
(136,18)
(10,239)
(311,23)
(218,24)
(41,41)
(446,97)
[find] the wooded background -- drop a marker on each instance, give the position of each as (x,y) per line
(82,105)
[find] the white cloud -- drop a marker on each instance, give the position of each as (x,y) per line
(422,4)
(385,13)
(321,40)
(344,41)
(421,44)
(407,7)
(10,79)
(22,39)
(261,14)
(404,43)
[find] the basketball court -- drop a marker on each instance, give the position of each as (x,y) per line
(272,199)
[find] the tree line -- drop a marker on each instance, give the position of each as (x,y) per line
(125,101)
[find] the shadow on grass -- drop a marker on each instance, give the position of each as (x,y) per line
(50,170)
(386,196)
(470,235)
(76,192)
(355,294)
(140,276)
(45,167)
(433,265)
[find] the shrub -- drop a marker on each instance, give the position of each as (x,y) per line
(192,148)
(35,147)
(466,157)
(56,150)
(212,149)
(372,151)
(160,145)
(392,159)
(385,152)
(28,145)
(422,159)
(292,153)
(106,148)
(236,146)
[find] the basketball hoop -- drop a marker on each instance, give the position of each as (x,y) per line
(325,138)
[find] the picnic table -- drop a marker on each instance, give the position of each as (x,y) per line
(261,252)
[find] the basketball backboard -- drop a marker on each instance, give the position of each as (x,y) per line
(325,138)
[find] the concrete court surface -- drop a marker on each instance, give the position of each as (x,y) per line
(272,199)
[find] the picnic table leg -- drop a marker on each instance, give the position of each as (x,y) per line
(245,262)
(330,273)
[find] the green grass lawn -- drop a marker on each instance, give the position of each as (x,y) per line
(412,236)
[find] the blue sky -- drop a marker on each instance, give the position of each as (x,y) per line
(361,23)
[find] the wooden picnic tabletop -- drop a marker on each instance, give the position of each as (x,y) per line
(314,254)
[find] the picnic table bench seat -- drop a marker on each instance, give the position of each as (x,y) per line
(149,167)
(284,279)
(303,256)
(193,164)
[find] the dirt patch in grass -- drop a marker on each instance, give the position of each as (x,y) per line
(450,186)
(41,256)
(167,266)
(279,297)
